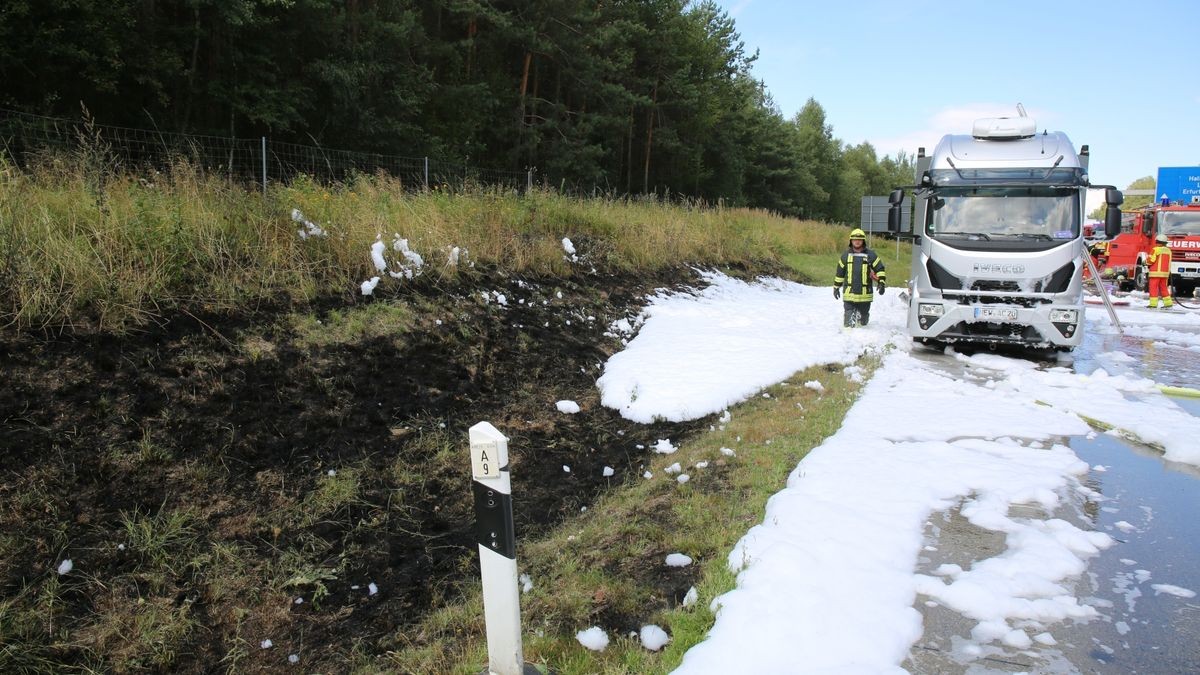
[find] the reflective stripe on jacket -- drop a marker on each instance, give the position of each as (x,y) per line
(857,271)
(1160,262)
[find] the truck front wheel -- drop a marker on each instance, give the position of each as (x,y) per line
(1141,278)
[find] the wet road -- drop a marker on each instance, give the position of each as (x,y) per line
(1150,507)
(1140,585)
(1168,354)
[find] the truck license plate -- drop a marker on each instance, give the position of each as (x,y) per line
(995,314)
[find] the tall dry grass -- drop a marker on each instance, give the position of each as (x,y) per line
(82,246)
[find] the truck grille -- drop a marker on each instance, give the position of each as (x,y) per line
(995,285)
(1000,290)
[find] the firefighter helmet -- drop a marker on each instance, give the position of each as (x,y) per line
(857,233)
(1161,238)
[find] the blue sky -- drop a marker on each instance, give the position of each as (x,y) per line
(1121,77)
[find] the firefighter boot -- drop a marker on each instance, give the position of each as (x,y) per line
(1167,302)
(1153,303)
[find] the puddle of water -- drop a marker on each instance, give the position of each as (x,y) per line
(1192,405)
(1172,365)
(1150,506)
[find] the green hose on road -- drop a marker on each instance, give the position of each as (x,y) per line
(1178,391)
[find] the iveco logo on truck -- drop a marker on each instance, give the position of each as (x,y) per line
(998,252)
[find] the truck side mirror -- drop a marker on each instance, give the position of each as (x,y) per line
(896,198)
(1112,221)
(894,218)
(1112,215)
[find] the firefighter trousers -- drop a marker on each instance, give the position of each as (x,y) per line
(1159,289)
(856,313)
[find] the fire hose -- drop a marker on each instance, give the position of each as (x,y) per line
(1181,303)
(1178,391)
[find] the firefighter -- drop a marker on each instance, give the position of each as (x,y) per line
(860,271)
(1159,261)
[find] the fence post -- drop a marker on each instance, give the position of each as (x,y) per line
(528,179)
(264,165)
(426,172)
(497,549)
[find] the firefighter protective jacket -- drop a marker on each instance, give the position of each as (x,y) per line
(1160,262)
(857,271)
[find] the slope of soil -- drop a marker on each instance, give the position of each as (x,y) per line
(222,479)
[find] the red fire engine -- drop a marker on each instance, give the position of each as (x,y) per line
(1124,257)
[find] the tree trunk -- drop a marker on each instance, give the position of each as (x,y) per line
(472,28)
(191,81)
(649,138)
(533,113)
(523,120)
(537,80)
(525,83)
(629,153)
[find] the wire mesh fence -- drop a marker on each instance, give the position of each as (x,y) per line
(25,137)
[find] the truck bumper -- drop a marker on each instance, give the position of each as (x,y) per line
(997,324)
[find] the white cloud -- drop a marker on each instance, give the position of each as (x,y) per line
(953,120)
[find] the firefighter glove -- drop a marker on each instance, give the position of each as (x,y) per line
(837,292)
(881,286)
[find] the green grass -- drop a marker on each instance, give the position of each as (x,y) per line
(26,627)
(605,560)
(332,494)
(148,634)
(819,266)
(163,541)
(369,322)
(136,622)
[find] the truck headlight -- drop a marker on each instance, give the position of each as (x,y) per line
(1064,316)
(929,309)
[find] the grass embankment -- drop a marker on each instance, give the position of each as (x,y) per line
(78,251)
(81,251)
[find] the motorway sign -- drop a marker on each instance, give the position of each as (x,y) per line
(874,214)
(1180,184)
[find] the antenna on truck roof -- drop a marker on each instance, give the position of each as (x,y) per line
(1021,110)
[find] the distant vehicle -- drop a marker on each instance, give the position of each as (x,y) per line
(998,254)
(1124,257)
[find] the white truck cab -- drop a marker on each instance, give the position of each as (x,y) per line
(998,237)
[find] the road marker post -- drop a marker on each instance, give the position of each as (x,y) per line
(496,536)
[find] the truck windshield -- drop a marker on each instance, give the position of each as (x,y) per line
(1004,213)
(1180,222)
